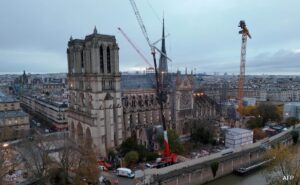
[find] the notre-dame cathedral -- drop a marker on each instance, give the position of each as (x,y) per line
(106,107)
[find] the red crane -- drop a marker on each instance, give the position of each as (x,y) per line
(168,157)
(133,45)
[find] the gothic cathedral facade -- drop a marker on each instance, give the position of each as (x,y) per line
(95,105)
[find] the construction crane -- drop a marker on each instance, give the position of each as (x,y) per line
(133,45)
(168,157)
(245,34)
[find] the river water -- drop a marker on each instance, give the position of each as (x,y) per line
(254,178)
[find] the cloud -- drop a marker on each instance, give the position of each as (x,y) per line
(204,34)
(280,62)
(32,60)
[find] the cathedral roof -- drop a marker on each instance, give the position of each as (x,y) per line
(145,81)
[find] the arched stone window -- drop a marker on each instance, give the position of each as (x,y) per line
(88,138)
(79,134)
(101,59)
(146,100)
(82,59)
(82,99)
(72,131)
(108,60)
(133,101)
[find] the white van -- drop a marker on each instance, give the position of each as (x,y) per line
(125,172)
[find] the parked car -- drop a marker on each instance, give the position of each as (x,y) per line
(148,165)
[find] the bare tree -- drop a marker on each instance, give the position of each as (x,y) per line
(37,157)
(8,158)
(87,169)
(285,168)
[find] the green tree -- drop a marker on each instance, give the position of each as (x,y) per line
(131,157)
(295,136)
(292,121)
(256,122)
(130,144)
(202,135)
(214,168)
(267,112)
(174,142)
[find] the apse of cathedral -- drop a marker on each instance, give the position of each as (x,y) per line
(107,107)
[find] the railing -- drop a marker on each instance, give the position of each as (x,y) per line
(218,156)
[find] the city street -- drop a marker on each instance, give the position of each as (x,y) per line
(122,180)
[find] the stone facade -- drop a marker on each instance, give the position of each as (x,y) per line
(95,111)
(106,108)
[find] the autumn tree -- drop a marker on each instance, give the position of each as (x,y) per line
(87,168)
(249,110)
(292,121)
(258,134)
(268,112)
(285,164)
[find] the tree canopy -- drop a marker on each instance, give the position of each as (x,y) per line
(131,157)
(174,142)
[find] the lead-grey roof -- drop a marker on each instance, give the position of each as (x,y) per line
(12,114)
(7,99)
(147,81)
(144,81)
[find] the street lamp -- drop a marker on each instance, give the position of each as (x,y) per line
(5,145)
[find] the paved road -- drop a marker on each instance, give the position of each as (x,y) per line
(122,180)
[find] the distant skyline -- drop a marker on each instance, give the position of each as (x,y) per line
(203,34)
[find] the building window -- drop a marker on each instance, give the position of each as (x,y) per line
(130,118)
(82,59)
(101,60)
(103,84)
(108,60)
(110,85)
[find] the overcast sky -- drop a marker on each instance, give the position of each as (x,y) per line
(203,33)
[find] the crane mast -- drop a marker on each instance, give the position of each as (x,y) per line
(161,96)
(245,34)
(133,45)
(141,24)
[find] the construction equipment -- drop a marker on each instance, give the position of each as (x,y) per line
(245,34)
(168,157)
(133,45)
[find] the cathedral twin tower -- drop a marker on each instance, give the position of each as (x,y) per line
(95,108)
(95,99)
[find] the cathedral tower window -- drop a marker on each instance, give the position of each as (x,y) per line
(108,60)
(82,59)
(101,60)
